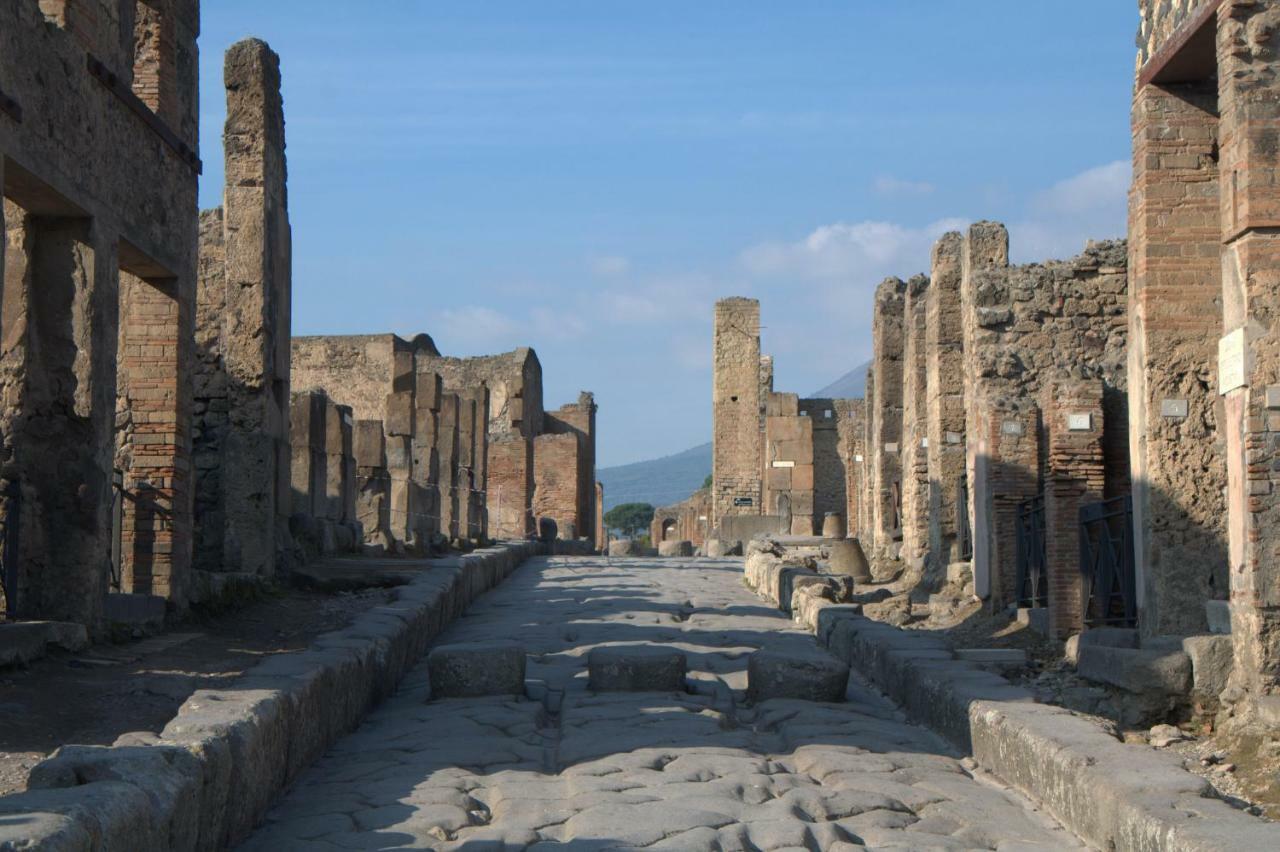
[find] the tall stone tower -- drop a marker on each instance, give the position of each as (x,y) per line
(736,410)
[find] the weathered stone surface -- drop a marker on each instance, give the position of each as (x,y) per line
(624,547)
(810,675)
(675,548)
(1136,671)
(638,668)
(476,669)
(846,557)
(1211,660)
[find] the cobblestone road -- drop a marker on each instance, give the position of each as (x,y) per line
(684,771)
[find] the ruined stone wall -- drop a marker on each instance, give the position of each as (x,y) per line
(736,410)
(915,432)
(514,380)
(830,487)
(358,368)
(788,464)
(511,487)
(685,521)
(870,480)
(887,332)
(556,459)
(852,430)
(1161,19)
(90,191)
(579,418)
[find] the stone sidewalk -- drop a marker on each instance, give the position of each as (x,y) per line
(689,771)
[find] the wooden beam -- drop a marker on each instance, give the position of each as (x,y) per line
(1190,54)
(107,78)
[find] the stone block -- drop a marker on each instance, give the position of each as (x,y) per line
(1137,671)
(675,548)
(429,389)
(808,675)
(399,410)
(1218,614)
(399,453)
(642,668)
(370,447)
(145,612)
(1211,660)
(1002,657)
(1036,618)
(624,547)
(475,669)
(833,525)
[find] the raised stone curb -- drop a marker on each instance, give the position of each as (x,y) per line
(211,774)
(1113,795)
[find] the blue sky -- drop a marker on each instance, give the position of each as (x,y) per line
(588,178)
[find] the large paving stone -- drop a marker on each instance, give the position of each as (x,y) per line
(474,669)
(639,668)
(810,675)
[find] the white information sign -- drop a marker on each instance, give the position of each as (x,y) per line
(1232,358)
(784,464)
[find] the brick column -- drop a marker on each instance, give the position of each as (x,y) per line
(1074,476)
(736,408)
(944,343)
(1006,449)
(886,416)
(447,451)
(1176,449)
(1250,380)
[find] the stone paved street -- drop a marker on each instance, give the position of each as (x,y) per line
(669,771)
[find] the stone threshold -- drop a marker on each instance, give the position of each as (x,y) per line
(210,776)
(1112,795)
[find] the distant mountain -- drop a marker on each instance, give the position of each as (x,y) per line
(659,482)
(852,385)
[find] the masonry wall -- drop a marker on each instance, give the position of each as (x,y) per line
(579,419)
(91,192)
(736,409)
(852,440)
(556,460)
(788,464)
(945,428)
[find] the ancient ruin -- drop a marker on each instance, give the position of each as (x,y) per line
(265,591)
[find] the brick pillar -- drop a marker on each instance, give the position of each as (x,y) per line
(308,461)
(944,344)
(1176,449)
(155,62)
(510,488)
(428,388)
(1075,475)
(886,417)
(255,346)
(599,539)
(447,451)
(915,435)
(1250,230)
(736,408)
(1006,473)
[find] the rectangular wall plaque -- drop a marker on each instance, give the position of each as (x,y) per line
(1273,396)
(858,459)
(1232,362)
(891,448)
(1080,422)
(924,443)
(784,464)
(1011,427)
(953,437)
(743,501)
(1176,408)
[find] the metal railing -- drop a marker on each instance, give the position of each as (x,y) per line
(11,519)
(1107,563)
(964,532)
(1032,588)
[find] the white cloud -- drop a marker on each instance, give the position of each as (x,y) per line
(1103,189)
(891,187)
(847,252)
(1092,205)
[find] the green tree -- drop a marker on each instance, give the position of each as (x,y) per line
(706,483)
(630,519)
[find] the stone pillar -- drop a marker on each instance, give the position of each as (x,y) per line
(466,464)
(480,462)
(61,437)
(788,463)
(736,410)
(256,322)
(337,448)
(510,487)
(944,354)
(599,538)
(447,452)
(886,416)
(867,524)
(1006,455)
(1177,452)
(1075,475)
(426,460)
(373,482)
(308,461)
(1250,370)
(915,420)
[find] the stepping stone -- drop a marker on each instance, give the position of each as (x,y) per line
(474,669)
(636,668)
(993,656)
(809,675)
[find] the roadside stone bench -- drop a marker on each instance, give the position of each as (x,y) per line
(636,668)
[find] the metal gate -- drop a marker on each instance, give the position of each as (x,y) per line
(1107,563)
(1032,589)
(10,518)
(964,533)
